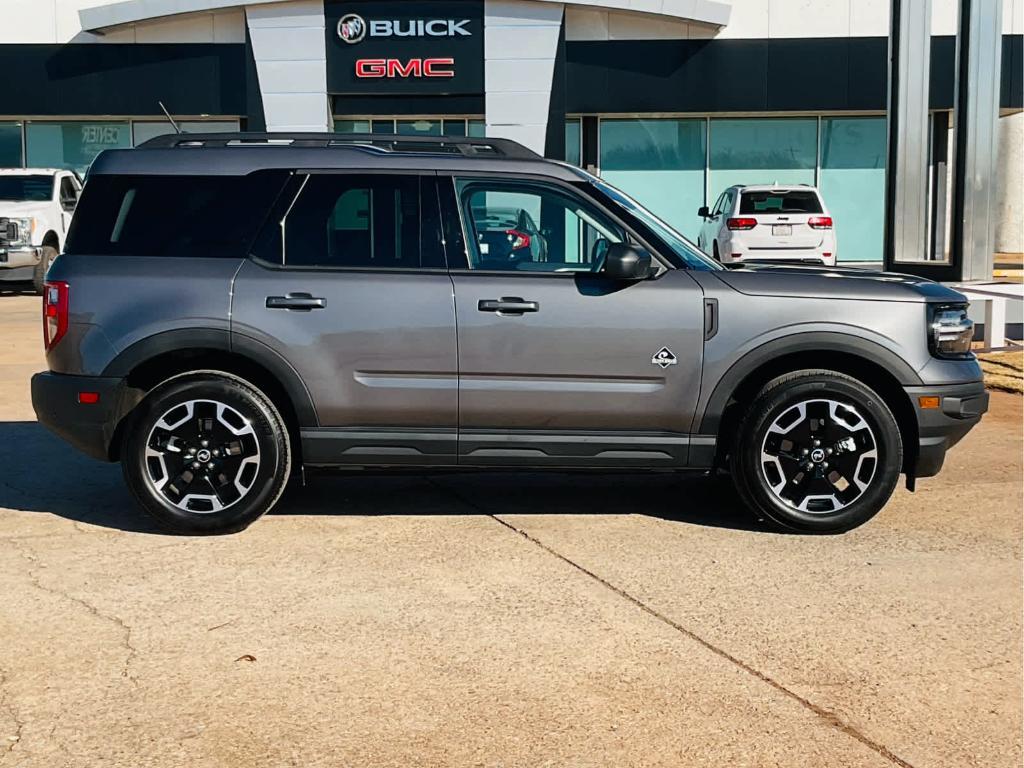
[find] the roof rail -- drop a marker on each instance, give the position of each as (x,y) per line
(471,147)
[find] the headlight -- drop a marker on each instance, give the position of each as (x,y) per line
(950,331)
(23,229)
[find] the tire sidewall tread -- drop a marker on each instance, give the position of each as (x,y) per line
(777,395)
(238,516)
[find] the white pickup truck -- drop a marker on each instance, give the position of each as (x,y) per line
(35,212)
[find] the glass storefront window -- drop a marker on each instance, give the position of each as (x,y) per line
(383,126)
(144,130)
(572,141)
(422,127)
(73,145)
(852,182)
(455,127)
(351,126)
(660,163)
(10,145)
(476,128)
(762,151)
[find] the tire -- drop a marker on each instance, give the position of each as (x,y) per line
(222,485)
(784,475)
(47,255)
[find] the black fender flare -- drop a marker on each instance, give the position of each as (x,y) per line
(811,341)
(219,340)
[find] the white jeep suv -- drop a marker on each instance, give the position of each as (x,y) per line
(768,222)
(35,211)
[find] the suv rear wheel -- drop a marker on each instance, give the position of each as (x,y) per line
(206,452)
(817,451)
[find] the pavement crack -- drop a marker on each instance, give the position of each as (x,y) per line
(830,718)
(126,631)
(19,724)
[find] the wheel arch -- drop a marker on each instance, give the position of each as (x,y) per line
(151,361)
(51,239)
(877,367)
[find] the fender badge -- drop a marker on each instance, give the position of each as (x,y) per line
(664,358)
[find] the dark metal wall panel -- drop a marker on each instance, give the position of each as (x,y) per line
(776,75)
(124,79)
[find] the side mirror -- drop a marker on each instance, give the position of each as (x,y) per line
(627,262)
(703,212)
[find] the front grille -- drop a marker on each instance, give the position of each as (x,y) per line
(8,232)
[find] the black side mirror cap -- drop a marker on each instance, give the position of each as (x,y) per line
(625,261)
(703,212)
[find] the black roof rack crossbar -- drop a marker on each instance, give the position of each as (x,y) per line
(472,147)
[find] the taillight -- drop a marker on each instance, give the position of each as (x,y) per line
(55,312)
(518,239)
(820,222)
(741,223)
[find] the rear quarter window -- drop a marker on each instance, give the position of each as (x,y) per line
(198,216)
(781,201)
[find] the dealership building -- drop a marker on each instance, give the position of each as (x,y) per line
(671,100)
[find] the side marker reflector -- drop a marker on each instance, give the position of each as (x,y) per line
(928,401)
(88,398)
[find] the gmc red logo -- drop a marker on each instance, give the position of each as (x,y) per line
(410,68)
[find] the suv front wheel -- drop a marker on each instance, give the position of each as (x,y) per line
(206,452)
(817,451)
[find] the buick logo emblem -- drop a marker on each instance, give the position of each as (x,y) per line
(351,28)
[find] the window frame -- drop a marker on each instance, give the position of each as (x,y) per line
(452,218)
(283,205)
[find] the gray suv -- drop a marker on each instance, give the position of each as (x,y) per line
(230,309)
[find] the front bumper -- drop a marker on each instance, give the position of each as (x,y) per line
(89,427)
(11,258)
(961,406)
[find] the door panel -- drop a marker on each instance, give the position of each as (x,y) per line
(573,382)
(375,343)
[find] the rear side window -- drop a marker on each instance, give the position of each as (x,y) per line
(780,201)
(367,221)
(203,216)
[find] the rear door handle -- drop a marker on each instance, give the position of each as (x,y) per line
(508,305)
(303,302)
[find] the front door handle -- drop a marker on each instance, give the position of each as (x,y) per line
(508,305)
(302,302)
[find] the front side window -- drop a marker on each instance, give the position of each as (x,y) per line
(513,226)
(68,194)
(358,220)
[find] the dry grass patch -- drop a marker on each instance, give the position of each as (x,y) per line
(1004,370)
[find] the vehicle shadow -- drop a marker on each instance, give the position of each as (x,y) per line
(40,473)
(16,289)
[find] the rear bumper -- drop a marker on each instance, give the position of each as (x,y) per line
(961,406)
(88,427)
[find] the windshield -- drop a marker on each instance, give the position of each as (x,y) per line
(683,248)
(35,188)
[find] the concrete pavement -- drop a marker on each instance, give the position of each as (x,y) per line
(502,620)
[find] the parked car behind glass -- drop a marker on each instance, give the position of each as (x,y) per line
(768,223)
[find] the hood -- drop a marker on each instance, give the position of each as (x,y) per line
(834,282)
(22,209)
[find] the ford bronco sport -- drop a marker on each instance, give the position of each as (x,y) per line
(232,308)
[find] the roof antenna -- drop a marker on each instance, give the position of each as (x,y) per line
(170,119)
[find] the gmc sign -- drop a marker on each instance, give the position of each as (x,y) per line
(440,67)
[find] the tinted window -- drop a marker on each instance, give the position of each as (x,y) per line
(532,227)
(34,187)
(359,220)
(210,216)
(780,201)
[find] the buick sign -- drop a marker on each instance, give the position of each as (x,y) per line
(352,28)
